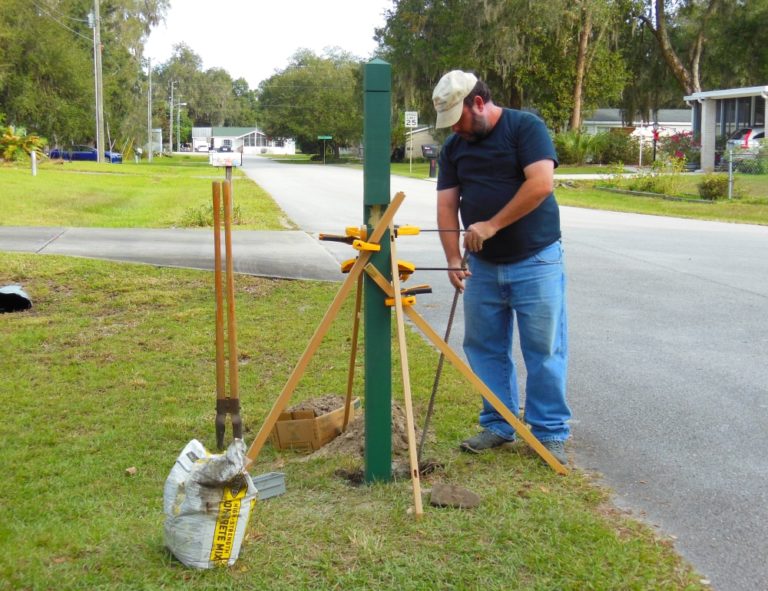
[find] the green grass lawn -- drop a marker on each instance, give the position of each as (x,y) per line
(736,211)
(113,367)
(169,192)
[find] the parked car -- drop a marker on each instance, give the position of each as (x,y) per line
(201,148)
(225,148)
(746,138)
(85,153)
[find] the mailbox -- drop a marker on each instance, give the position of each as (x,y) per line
(430,150)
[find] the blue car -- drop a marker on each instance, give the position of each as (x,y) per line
(85,153)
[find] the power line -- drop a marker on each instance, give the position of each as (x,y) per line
(58,22)
(66,16)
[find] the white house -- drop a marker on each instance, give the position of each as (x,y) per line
(666,121)
(248,140)
(417,138)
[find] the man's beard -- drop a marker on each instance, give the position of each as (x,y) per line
(480,130)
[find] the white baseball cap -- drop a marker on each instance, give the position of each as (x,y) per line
(449,94)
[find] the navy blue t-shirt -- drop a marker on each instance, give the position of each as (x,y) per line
(489,173)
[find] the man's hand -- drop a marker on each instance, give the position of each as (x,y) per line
(478,233)
(457,277)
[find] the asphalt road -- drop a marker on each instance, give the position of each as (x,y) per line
(669,341)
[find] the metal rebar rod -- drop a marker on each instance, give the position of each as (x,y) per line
(440,362)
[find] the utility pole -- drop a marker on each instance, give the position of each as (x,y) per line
(150,145)
(179,105)
(170,122)
(98,82)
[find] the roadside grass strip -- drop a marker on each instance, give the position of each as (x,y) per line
(160,195)
(113,368)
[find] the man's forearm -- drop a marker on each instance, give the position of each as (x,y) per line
(448,219)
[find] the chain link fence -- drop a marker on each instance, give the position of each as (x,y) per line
(740,161)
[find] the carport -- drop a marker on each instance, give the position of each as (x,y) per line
(721,112)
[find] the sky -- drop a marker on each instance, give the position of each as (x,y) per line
(253,39)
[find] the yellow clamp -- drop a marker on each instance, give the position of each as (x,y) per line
(363,245)
(360,232)
(347,265)
(407,301)
(405,269)
(407,230)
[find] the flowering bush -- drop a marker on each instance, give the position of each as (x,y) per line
(683,146)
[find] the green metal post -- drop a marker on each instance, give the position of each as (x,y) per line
(377,100)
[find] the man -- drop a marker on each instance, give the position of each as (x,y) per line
(496,170)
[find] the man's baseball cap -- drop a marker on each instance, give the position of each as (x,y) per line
(449,95)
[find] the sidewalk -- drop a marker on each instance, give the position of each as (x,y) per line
(282,254)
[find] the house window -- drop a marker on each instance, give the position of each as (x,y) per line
(744,112)
(249,140)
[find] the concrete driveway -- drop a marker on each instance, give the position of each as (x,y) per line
(669,342)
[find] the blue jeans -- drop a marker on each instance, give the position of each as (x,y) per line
(533,292)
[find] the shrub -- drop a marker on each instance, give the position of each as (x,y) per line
(202,216)
(758,165)
(573,147)
(714,186)
(663,178)
(682,145)
(14,146)
(616,146)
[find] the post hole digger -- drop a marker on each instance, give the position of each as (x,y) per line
(225,405)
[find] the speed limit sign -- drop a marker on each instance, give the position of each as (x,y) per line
(411,118)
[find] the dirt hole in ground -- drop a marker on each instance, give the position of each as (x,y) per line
(352,441)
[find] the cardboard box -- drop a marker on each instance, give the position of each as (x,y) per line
(302,430)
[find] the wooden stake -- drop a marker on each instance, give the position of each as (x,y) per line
(409,422)
(353,353)
(219,296)
(520,428)
(234,380)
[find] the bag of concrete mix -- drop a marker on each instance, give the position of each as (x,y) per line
(207,501)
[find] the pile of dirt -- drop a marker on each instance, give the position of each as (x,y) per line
(320,406)
(352,440)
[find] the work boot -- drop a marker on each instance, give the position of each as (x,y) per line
(557,449)
(483,440)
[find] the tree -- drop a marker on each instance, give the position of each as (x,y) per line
(422,42)
(246,103)
(47,82)
(650,84)
(212,98)
(315,95)
(46,78)
(694,27)
(522,48)
(737,52)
